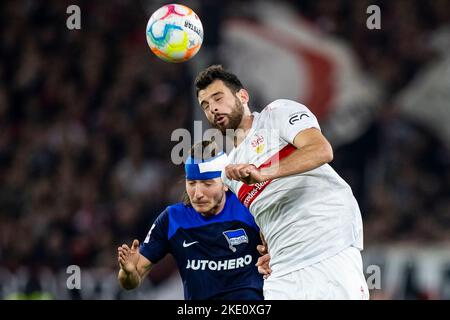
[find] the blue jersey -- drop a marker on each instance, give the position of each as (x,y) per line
(216,255)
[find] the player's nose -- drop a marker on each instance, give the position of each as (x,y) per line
(198,194)
(214,107)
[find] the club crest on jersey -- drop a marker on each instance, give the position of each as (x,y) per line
(257,143)
(235,237)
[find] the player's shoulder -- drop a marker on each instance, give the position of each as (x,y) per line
(178,215)
(174,211)
(163,216)
(281,108)
(177,209)
(283,104)
(233,201)
(231,196)
(238,211)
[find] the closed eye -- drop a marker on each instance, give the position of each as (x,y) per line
(208,182)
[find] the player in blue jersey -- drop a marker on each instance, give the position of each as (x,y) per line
(212,236)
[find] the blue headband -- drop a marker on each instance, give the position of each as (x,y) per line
(205,170)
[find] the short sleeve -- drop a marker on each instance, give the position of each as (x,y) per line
(290,118)
(156,243)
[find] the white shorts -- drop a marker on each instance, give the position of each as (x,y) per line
(340,277)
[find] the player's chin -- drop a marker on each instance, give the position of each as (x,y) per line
(219,127)
(202,207)
(223,126)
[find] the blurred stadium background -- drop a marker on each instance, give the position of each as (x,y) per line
(86,118)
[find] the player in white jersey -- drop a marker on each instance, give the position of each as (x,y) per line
(279,170)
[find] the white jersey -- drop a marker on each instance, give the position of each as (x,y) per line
(306,217)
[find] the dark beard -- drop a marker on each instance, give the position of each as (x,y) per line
(234,118)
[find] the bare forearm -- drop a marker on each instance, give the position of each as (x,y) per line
(301,160)
(130,280)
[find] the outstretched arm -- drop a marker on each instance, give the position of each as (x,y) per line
(313,150)
(133,266)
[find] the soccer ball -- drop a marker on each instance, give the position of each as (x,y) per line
(174,33)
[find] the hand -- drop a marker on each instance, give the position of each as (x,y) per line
(263,262)
(262,248)
(246,173)
(128,258)
(263,265)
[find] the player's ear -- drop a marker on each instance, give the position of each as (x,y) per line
(225,187)
(243,96)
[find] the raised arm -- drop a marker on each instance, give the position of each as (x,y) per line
(313,150)
(134,267)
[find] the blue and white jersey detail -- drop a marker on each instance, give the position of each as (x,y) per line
(216,255)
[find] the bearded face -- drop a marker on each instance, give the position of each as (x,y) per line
(223,108)
(230,120)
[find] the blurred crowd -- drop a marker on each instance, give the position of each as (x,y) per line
(86,118)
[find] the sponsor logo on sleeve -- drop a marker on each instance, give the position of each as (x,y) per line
(293,118)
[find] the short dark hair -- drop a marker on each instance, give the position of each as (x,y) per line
(217,72)
(201,151)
